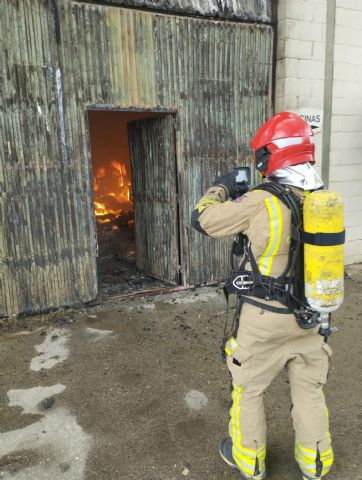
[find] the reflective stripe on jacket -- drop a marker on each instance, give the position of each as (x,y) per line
(258,214)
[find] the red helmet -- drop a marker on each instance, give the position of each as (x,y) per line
(282,141)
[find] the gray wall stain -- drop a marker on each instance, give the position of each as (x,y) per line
(247,10)
(58,80)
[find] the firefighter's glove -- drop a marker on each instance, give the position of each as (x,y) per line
(240,189)
(228,182)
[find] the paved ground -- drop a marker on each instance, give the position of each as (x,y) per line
(136,390)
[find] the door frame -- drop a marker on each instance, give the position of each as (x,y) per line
(132,109)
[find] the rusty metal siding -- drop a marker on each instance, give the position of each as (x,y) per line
(247,10)
(217,75)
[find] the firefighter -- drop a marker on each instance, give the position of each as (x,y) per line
(267,337)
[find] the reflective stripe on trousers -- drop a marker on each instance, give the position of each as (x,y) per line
(312,462)
(266,343)
(250,461)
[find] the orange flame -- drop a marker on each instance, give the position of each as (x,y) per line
(112,193)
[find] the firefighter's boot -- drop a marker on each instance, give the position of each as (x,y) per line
(225,449)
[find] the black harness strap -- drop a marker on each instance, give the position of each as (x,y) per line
(323,239)
(263,306)
(291,201)
(286,288)
(295,258)
(254,266)
(235,322)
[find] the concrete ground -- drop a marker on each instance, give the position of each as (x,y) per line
(136,390)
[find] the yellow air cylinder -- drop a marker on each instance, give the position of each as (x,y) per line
(323,265)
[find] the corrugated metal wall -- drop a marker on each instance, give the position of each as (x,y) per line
(217,75)
(47,240)
(154,190)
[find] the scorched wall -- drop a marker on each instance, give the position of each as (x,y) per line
(57,58)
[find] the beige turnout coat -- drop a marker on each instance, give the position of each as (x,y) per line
(259,215)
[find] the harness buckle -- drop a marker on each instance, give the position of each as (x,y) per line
(242,282)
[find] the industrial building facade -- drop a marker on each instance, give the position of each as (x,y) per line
(117,114)
(194,89)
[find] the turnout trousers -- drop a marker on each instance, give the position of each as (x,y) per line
(266,343)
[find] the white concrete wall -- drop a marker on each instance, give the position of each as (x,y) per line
(346,136)
(300,58)
(300,84)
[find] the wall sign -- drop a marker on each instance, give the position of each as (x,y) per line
(313,116)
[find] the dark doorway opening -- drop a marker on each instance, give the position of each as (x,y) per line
(134,184)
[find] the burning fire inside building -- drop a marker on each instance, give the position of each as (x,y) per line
(113,202)
(114,210)
(112,195)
